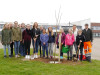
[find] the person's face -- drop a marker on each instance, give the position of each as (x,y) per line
(79,32)
(28,27)
(41,28)
(70,31)
(11,25)
(50,29)
(6,26)
(15,24)
(35,25)
(44,31)
(74,27)
(61,31)
(23,25)
(86,27)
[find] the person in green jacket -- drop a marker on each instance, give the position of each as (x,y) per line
(17,37)
(6,39)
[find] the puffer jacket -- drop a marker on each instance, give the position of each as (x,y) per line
(6,36)
(69,39)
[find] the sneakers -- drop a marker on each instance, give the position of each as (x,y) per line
(61,57)
(16,56)
(36,56)
(10,56)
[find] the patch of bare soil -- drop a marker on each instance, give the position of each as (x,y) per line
(63,61)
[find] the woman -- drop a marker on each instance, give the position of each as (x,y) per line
(51,41)
(6,39)
(69,40)
(44,42)
(27,39)
(35,38)
(62,41)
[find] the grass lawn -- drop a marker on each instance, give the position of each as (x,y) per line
(13,66)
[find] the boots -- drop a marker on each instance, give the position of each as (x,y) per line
(89,58)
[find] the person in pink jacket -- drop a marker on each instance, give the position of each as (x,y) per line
(69,40)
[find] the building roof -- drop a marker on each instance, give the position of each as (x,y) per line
(95,24)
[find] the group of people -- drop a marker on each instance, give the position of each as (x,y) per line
(21,36)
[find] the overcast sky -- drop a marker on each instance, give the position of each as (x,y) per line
(43,11)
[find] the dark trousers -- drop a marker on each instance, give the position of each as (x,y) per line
(40,49)
(81,53)
(11,47)
(45,47)
(61,53)
(27,47)
(22,49)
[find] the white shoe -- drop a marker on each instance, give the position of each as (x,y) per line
(16,56)
(32,58)
(36,56)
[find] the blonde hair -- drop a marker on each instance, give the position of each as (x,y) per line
(51,31)
(71,31)
(5,25)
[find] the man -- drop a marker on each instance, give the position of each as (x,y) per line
(75,30)
(17,37)
(22,48)
(88,42)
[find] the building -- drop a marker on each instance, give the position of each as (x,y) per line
(95,29)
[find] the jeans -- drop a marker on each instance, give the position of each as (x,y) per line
(7,46)
(45,47)
(51,49)
(16,47)
(75,46)
(22,49)
(36,46)
(81,53)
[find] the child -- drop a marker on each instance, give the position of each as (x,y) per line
(27,39)
(6,39)
(51,41)
(62,41)
(69,40)
(80,40)
(44,42)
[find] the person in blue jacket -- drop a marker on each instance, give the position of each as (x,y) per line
(44,42)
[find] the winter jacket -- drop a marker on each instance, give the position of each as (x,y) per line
(51,38)
(16,34)
(88,35)
(44,39)
(35,32)
(62,38)
(6,36)
(26,35)
(69,39)
(78,38)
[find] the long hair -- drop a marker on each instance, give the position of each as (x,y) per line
(5,25)
(51,31)
(34,24)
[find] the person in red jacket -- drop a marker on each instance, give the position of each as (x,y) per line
(27,39)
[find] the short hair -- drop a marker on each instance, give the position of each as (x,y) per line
(86,24)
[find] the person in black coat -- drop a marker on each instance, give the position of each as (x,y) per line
(35,38)
(80,42)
